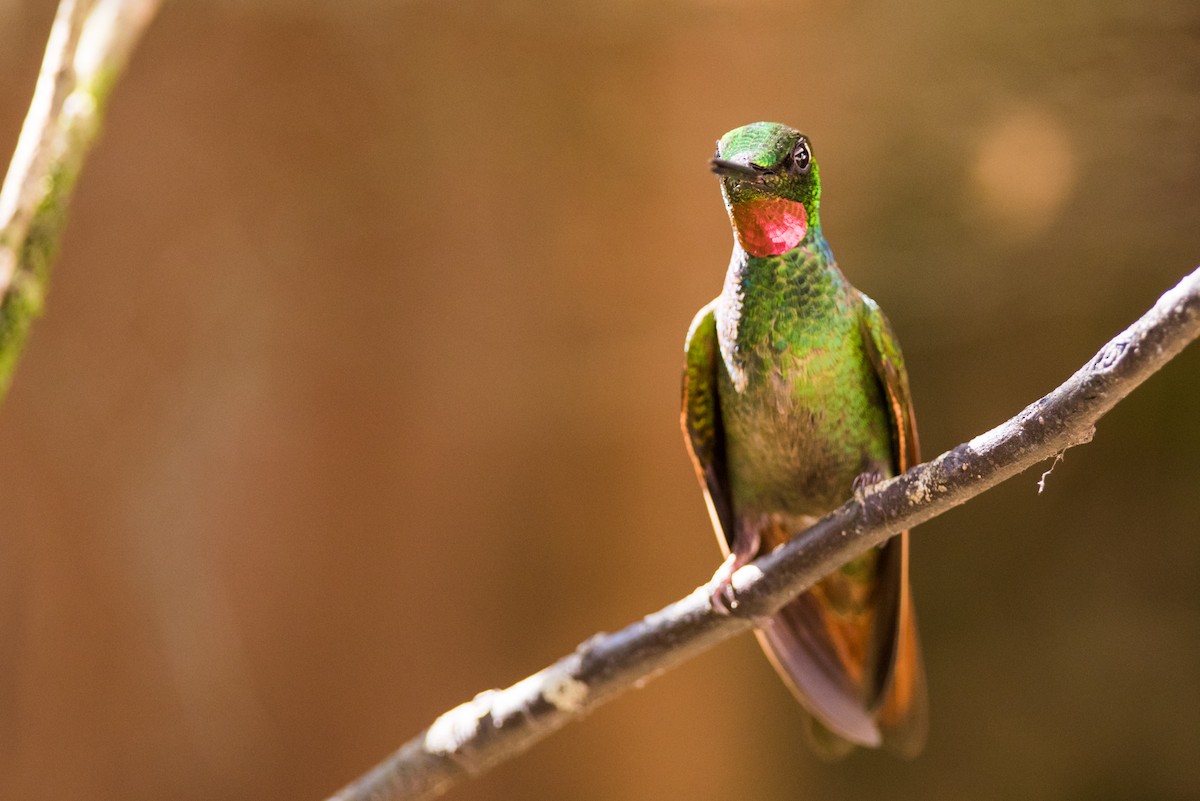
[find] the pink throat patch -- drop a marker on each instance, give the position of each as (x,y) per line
(769,226)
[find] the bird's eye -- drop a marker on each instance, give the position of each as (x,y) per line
(801,158)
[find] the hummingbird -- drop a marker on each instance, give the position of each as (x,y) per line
(795,396)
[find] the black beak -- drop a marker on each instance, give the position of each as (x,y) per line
(726,167)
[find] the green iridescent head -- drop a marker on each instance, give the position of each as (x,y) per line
(771,185)
(771,159)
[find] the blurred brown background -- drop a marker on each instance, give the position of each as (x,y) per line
(357,391)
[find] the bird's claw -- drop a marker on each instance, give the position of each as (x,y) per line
(864,480)
(722,597)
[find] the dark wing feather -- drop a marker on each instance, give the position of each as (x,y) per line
(701,418)
(901,700)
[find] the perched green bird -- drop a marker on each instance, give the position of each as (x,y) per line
(794,395)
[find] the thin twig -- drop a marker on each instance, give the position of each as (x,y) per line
(89,43)
(1058,457)
(499,724)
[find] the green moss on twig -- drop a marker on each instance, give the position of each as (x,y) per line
(25,298)
(108,31)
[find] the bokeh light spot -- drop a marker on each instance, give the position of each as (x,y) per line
(1025,170)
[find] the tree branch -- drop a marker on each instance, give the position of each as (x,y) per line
(499,724)
(90,41)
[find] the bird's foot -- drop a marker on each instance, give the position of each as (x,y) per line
(720,590)
(864,480)
(721,595)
